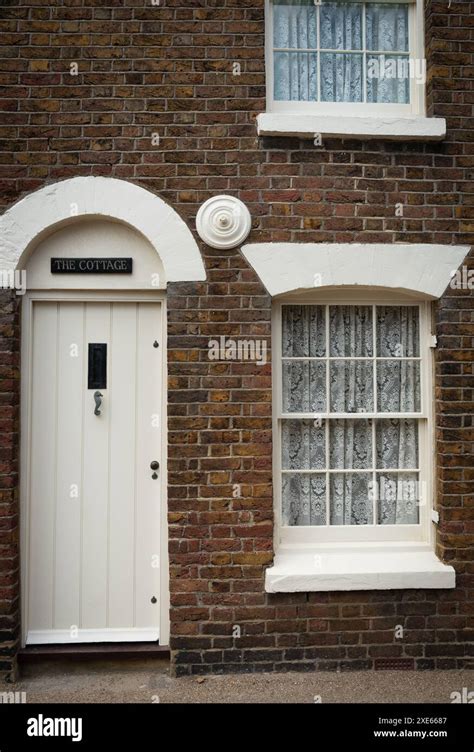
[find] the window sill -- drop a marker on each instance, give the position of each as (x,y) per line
(333,569)
(335,126)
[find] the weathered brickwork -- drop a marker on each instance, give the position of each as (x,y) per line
(166,70)
(9,449)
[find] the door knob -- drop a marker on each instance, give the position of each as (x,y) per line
(154,466)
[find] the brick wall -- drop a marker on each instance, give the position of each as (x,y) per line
(168,70)
(9,448)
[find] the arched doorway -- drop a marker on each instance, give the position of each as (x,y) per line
(97,254)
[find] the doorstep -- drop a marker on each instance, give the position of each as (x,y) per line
(102,651)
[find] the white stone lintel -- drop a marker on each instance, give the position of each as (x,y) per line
(421,269)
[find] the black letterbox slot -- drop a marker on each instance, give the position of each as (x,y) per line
(97,371)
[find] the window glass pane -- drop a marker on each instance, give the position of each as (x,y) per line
(341,69)
(303,445)
(295,76)
(399,498)
(304,331)
(304,386)
(397,443)
(355,486)
(294,24)
(350,444)
(350,499)
(341,77)
(351,331)
(387,27)
(303,499)
(398,386)
(398,332)
(351,384)
(388,80)
(341,26)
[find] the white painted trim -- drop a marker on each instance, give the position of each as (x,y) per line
(421,269)
(324,569)
(26,386)
(389,127)
(63,636)
(163,479)
(47,209)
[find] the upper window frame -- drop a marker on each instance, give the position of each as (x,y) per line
(416,106)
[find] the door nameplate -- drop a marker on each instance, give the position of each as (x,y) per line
(91,265)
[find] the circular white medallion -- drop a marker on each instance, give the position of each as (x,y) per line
(223,222)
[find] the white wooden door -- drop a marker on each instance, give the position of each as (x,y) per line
(93,526)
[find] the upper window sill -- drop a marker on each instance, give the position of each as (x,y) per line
(335,126)
(333,569)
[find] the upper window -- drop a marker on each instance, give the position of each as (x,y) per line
(353,57)
(352,418)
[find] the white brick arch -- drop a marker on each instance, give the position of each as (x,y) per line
(55,205)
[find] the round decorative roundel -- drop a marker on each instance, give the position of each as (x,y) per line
(223,222)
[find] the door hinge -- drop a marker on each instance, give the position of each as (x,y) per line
(435,516)
(434,341)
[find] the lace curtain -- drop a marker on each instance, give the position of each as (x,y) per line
(294,28)
(373,449)
(341,74)
(299,66)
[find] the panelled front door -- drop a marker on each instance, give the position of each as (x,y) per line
(93,508)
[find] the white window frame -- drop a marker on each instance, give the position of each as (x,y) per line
(416,107)
(358,534)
